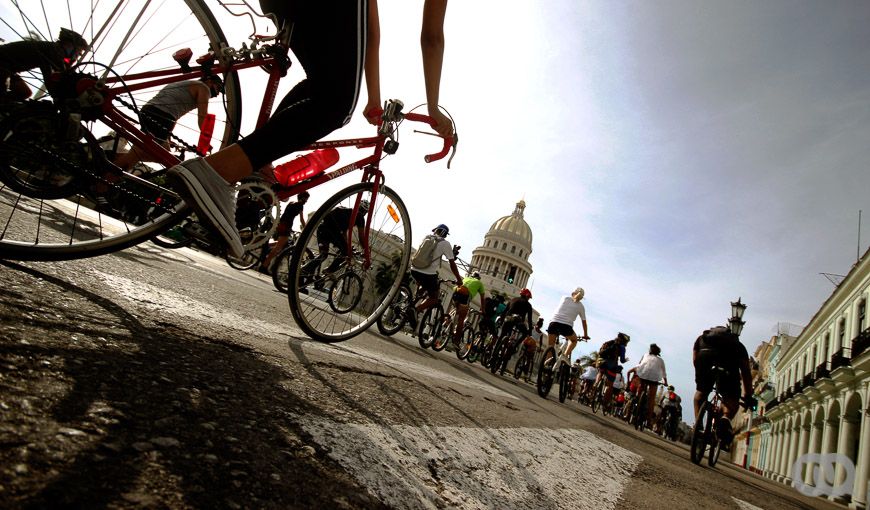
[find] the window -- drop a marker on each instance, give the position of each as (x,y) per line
(513,249)
(841,334)
(521,253)
(862,315)
(504,246)
(826,349)
(815,359)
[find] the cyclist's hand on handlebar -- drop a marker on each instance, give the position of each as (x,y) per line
(443,126)
(372,113)
(585,338)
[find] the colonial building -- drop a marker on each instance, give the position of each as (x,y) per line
(503,259)
(822,383)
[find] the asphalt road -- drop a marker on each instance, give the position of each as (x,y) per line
(192,387)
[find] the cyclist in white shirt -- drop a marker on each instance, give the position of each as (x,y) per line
(562,322)
(651,371)
(427,277)
(588,379)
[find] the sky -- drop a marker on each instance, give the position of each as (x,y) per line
(673,155)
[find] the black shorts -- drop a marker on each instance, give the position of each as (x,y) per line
(460,298)
(428,282)
(608,368)
(729,383)
(557,328)
(156,123)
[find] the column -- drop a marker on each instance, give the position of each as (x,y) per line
(848,429)
(762,452)
(793,437)
(859,490)
(803,445)
(781,454)
(815,446)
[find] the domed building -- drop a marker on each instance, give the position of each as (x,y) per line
(503,259)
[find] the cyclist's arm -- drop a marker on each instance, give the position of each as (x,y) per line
(201,94)
(302,218)
(586,330)
(373,67)
(432,45)
(529,318)
(455,271)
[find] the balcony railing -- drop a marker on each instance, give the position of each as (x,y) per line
(841,358)
(798,387)
(808,380)
(822,371)
(770,405)
(860,343)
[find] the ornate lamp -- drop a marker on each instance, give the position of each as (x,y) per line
(736,322)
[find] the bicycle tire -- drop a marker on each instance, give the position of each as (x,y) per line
(545,372)
(714,442)
(164,241)
(248,261)
(281,269)
(477,347)
(393,318)
(488,347)
(699,435)
(497,355)
(640,412)
(439,343)
(596,396)
(564,381)
(430,326)
(465,344)
(520,365)
(46,227)
(345,293)
(389,241)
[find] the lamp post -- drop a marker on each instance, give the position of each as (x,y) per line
(735,324)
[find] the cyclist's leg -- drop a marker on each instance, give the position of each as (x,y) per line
(323,240)
(651,388)
(461,314)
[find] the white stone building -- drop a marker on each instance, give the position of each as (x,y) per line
(822,383)
(503,259)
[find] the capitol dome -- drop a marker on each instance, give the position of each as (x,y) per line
(503,259)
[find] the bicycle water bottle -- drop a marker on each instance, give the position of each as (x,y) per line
(306,166)
(205,132)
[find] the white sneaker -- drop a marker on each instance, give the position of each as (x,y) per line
(211,197)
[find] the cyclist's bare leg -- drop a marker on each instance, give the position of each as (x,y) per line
(231,163)
(572,342)
(462,313)
(730,405)
(650,402)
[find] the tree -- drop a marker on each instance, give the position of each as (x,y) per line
(588,359)
(386,273)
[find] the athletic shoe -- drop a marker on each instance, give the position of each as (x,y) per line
(210,197)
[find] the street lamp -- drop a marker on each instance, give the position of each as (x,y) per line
(736,323)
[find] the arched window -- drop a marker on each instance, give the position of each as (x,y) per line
(521,253)
(513,249)
(826,347)
(504,246)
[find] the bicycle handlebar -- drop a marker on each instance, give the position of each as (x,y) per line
(449,141)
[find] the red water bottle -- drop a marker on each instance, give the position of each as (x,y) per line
(306,166)
(205,132)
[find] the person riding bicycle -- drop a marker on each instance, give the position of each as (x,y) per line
(334,42)
(285,228)
(462,296)
(333,232)
(669,403)
(562,322)
(161,112)
(49,56)
(611,354)
(650,371)
(517,315)
(531,345)
(587,380)
(719,347)
(426,275)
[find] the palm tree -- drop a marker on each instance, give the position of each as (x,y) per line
(588,359)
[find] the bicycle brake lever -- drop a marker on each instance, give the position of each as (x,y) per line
(453,151)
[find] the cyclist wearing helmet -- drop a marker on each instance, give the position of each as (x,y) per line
(562,322)
(159,115)
(426,276)
(518,315)
(49,56)
(612,353)
(333,232)
(462,296)
(285,227)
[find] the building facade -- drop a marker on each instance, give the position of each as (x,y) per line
(822,387)
(503,258)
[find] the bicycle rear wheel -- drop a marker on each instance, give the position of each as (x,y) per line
(564,381)
(496,361)
(444,335)
(393,318)
(59,197)
(465,343)
(640,412)
(714,442)
(430,326)
(389,243)
(597,396)
(700,434)
(545,372)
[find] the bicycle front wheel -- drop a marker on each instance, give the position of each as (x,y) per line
(545,372)
(564,381)
(597,396)
(393,317)
(315,309)
(60,198)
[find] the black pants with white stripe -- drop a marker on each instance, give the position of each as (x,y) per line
(329,41)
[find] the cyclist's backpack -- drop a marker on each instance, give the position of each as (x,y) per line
(608,350)
(425,254)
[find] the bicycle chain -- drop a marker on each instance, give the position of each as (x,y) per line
(178,140)
(75,169)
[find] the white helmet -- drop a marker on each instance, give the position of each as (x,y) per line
(579,292)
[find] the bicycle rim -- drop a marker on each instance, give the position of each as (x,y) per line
(545,372)
(390,248)
(596,397)
(443,336)
(59,218)
(699,439)
(564,376)
(393,317)
(281,269)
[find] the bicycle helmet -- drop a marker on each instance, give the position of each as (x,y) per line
(475,275)
(579,292)
(623,337)
(72,37)
(671,387)
(443,229)
(526,293)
